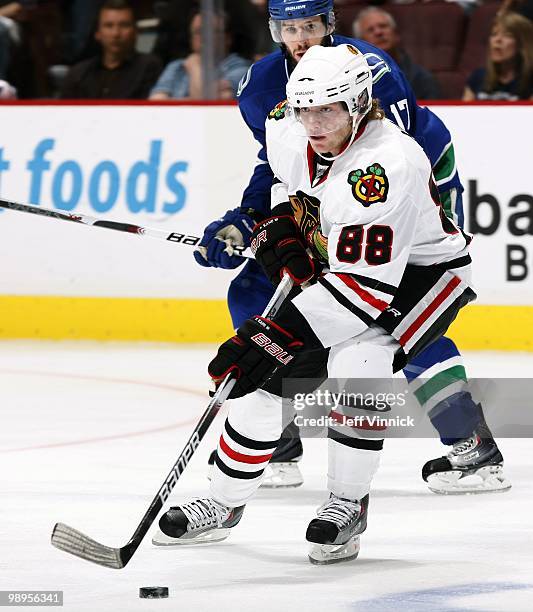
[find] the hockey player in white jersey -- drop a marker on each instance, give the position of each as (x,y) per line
(355,191)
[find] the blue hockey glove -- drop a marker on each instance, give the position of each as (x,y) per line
(215,249)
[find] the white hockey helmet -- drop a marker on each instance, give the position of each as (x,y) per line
(332,74)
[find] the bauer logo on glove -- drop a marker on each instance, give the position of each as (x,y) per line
(272,348)
(253,355)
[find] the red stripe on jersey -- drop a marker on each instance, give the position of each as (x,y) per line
(362,293)
(429,310)
(240,456)
(362,422)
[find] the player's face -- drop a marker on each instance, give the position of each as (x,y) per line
(377,29)
(116,31)
(299,35)
(502,45)
(328,127)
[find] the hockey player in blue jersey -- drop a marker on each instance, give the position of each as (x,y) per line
(297,25)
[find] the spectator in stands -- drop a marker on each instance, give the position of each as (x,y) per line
(509,71)
(378,27)
(118,71)
(183,78)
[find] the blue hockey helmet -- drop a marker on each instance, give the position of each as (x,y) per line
(282,11)
(296,9)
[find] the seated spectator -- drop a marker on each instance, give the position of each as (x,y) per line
(118,71)
(509,71)
(183,78)
(378,27)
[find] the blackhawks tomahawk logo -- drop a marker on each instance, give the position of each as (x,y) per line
(278,112)
(371,186)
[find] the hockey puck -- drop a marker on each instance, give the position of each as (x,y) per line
(153,592)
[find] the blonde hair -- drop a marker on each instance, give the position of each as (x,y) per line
(521,30)
(375,112)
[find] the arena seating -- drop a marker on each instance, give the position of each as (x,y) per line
(438,35)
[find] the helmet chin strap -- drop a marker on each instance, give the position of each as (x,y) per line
(355,125)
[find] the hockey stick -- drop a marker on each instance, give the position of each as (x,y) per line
(76,543)
(118,226)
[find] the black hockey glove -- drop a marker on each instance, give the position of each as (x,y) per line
(253,355)
(278,246)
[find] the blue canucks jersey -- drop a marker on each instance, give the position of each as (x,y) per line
(263,87)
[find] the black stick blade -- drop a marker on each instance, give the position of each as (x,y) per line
(76,543)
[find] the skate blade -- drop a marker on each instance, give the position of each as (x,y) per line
(325,554)
(489,479)
(216,535)
(282,476)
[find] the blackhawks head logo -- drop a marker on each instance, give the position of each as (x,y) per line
(371,186)
(278,112)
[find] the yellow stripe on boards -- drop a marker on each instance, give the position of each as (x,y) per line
(478,327)
(495,328)
(97,318)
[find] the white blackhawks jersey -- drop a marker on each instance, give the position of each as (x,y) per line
(369,213)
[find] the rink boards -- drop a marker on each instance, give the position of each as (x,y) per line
(177,167)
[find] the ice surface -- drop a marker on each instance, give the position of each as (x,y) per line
(89,431)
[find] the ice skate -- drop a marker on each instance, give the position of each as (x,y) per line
(474,465)
(334,534)
(199,521)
